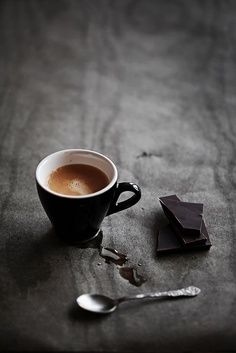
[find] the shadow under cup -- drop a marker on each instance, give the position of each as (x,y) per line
(77,219)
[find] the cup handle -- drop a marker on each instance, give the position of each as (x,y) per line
(122,187)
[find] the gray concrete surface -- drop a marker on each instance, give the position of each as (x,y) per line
(123,78)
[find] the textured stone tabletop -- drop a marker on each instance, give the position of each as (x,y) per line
(151,84)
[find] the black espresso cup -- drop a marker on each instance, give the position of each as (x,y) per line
(78,219)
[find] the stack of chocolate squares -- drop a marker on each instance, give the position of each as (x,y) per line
(186,229)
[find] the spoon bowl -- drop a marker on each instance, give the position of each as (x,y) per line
(96,303)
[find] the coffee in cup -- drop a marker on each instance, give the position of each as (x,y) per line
(77,180)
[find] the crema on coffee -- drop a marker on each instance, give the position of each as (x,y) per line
(77,180)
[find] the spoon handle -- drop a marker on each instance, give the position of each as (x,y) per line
(184,292)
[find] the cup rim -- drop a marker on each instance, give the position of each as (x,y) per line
(97,193)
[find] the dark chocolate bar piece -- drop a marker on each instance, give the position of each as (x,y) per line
(188,214)
(166,199)
(186,238)
(169,243)
(169,200)
(185,218)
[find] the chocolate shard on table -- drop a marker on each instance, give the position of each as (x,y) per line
(173,199)
(185,218)
(186,236)
(168,242)
(182,210)
(186,230)
(166,199)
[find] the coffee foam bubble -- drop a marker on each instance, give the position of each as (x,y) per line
(80,187)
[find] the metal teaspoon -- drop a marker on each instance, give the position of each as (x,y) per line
(102,304)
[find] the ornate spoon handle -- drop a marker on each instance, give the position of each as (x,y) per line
(184,292)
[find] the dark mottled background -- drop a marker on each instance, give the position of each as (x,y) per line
(152,85)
